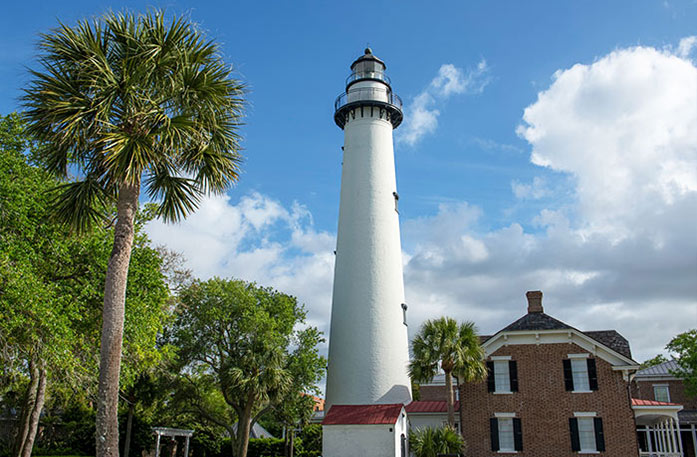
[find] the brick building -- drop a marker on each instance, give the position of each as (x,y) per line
(658,384)
(552,391)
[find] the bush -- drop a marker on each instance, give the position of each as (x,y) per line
(265,447)
(430,442)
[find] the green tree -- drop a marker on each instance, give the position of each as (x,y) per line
(129,103)
(659,359)
(452,347)
(51,289)
(432,442)
(684,346)
(240,353)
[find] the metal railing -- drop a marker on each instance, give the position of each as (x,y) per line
(358,75)
(660,454)
(374,94)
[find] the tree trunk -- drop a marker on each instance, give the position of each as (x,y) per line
(36,411)
(29,401)
(292,442)
(129,426)
(449,398)
(244,426)
(112,323)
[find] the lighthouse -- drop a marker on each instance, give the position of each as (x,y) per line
(368,345)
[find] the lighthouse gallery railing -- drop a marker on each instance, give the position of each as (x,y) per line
(377,94)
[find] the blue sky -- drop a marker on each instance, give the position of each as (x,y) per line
(589,196)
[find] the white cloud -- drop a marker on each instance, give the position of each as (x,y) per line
(621,252)
(421,116)
(535,190)
(686,46)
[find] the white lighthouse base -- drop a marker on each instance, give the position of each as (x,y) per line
(387,438)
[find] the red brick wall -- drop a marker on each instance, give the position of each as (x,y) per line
(545,407)
(644,390)
(433,393)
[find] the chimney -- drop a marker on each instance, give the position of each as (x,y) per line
(534,301)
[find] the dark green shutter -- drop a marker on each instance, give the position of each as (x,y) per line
(517,434)
(491,379)
(592,374)
(494,424)
(513,375)
(568,375)
(575,440)
(599,435)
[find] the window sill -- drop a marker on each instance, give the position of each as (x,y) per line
(503,393)
(583,392)
(589,452)
(506,451)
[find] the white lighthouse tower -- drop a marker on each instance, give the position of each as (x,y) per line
(368,345)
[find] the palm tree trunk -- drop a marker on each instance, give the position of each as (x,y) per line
(112,322)
(449,398)
(35,411)
(244,426)
(129,427)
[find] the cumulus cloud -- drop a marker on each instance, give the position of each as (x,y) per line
(257,239)
(686,46)
(421,114)
(622,252)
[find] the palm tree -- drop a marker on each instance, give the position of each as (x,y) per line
(455,347)
(432,442)
(127,104)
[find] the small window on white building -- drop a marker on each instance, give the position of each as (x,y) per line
(579,369)
(404,313)
(661,392)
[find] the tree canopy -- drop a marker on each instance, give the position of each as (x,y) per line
(684,346)
(244,349)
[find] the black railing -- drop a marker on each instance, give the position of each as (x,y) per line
(368,94)
(358,75)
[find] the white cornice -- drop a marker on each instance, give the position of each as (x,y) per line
(568,335)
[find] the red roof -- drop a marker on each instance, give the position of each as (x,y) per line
(429,407)
(363,414)
(640,402)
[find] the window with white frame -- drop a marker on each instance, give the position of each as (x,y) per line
(502,376)
(586,434)
(506,433)
(579,370)
(506,442)
(661,392)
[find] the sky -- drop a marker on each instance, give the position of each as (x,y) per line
(546,146)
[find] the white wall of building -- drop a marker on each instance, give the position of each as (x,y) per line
(368,346)
(358,441)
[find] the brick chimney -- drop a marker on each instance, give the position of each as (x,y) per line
(534,301)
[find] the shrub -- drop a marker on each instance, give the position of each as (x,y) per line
(430,442)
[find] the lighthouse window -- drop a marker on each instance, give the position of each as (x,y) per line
(404,313)
(396,201)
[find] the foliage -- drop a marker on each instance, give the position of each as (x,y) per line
(684,346)
(130,98)
(240,353)
(265,447)
(128,103)
(431,442)
(659,359)
(311,437)
(454,348)
(51,286)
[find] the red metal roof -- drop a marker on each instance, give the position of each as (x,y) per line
(640,402)
(429,407)
(363,414)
